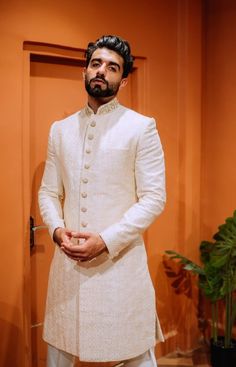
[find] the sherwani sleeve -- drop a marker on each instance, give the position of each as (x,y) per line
(51,189)
(150,191)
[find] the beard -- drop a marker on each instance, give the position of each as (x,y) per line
(97,91)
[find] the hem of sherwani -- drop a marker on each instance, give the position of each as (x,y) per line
(103,360)
(159,337)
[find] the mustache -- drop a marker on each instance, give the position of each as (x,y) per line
(98,78)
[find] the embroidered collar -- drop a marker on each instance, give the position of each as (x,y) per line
(104,109)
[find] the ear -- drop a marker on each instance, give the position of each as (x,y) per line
(123,83)
(83,73)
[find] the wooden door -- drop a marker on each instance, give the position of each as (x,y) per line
(56,91)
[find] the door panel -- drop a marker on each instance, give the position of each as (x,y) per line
(56,91)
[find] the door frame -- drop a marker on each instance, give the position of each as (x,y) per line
(66,54)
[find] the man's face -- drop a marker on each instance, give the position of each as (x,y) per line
(103,76)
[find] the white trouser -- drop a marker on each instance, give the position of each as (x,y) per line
(58,358)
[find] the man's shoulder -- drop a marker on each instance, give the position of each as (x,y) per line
(67,122)
(135,117)
(133,113)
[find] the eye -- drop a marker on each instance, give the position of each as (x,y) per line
(113,68)
(95,64)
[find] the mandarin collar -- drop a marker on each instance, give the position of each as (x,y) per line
(103,109)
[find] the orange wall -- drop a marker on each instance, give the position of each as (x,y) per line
(169,34)
(219,119)
(70,23)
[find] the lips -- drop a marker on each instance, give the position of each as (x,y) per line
(98,81)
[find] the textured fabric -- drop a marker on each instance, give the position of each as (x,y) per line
(58,358)
(109,167)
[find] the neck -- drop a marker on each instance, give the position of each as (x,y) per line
(95,103)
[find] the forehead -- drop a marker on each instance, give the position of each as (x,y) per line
(108,56)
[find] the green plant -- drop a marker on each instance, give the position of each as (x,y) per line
(217,274)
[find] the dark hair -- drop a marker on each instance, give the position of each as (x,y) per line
(113,43)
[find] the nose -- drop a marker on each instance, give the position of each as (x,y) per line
(102,69)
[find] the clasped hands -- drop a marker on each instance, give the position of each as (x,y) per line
(79,246)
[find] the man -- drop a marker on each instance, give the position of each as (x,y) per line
(103,185)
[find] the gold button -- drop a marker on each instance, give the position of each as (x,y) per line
(84,224)
(87,166)
(90,136)
(83,209)
(85,180)
(88,150)
(93,124)
(84,195)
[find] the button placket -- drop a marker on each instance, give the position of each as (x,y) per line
(89,139)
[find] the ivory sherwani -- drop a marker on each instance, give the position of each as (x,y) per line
(109,167)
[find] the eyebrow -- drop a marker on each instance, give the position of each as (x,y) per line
(109,63)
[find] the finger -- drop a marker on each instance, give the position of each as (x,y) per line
(66,236)
(68,249)
(73,247)
(75,252)
(84,235)
(79,246)
(67,243)
(71,255)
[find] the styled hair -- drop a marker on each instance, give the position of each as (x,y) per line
(113,43)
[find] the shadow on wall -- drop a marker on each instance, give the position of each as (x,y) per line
(179,317)
(11,337)
(185,283)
